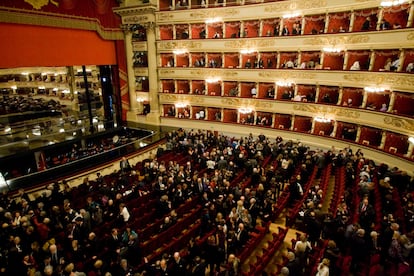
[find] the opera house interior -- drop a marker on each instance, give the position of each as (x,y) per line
(207,137)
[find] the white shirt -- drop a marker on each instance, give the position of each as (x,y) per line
(125,214)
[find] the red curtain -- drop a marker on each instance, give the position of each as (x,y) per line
(314,24)
(333,61)
(231,60)
(346,131)
(196,29)
(354,94)
(377,99)
(269,26)
(230,116)
(396,143)
(286,56)
(215,28)
(263,87)
(328,95)
(167,108)
(282,90)
(288,22)
(408,61)
(338,21)
(245,89)
(361,56)
(269,59)
(362,15)
(383,57)
(321,128)
(309,91)
(123,80)
(167,60)
(232,29)
(371,135)
(183,87)
(164,5)
(403,104)
(195,57)
(283,121)
(245,57)
(166,32)
(214,89)
(168,86)
(397,15)
(198,84)
(216,57)
(212,113)
(182,60)
(302,124)
(229,85)
(252,28)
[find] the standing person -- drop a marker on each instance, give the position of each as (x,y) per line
(323,268)
(124,165)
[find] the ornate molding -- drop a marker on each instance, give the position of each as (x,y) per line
(140,71)
(251,43)
(317,109)
(237,102)
(402,123)
(170,45)
(377,79)
(135,19)
(288,75)
(294,5)
(182,98)
(139,46)
(164,16)
(410,36)
(213,73)
(210,13)
(337,40)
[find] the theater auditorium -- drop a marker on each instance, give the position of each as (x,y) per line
(207,137)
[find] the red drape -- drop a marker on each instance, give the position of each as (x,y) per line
(231,60)
(212,113)
(232,29)
(269,59)
(343,128)
(182,60)
(333,93)
(362,15)
(245,89)
(283,121)
(397,15)
(403,104)
(263,87)
(372,135)
(361,56)
(396,143)
(166,32)
(355,94)
(214,89)
(165,58)
(382,57)
(164,5)
(314,24)
(215,28)
(338,21)
(287,56)
(333,61)
(321,128)
(168,86)
(229,116)
(196,29)
(408,61)
(183,86)
(229,85)
(252,28)
(198,84)
(302,124)
(377,99)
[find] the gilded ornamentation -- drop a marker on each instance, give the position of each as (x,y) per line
(294,5)
(166,72)
(139,46)
(181,98)
(38,4)
(214,13)
(164,16)
(213,73)
(170,45)
(316,109)
(337,40)
(410,36)
(288,75)
(380,79)
(134,19)
(140,72)
(237,102)
(251,43)
(399,123)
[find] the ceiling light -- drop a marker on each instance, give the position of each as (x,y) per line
(374,89)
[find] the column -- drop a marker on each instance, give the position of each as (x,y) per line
(282,23)
(358,135)
(302,31)
(292,123)
(238,117)
(153,117)
(190,85)
(174,32)
(371,60)
(326,28)
(364,99)
(224,30)
(346,55)
(392,101)
(410,17)
(317,93)
(313,126)
(321,60)
(380,16)
(410,149)
(351,21)
(278,60)
(333,134)
(222,88)
(341,89)
(242,29)
(260,28)
(299,58)
(273,120)
(383,138)
(133,105)
(402,58)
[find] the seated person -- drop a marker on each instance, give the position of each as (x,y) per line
(384,107)
(410,67)
(396,26)
(395,65)
(253,92)
(385,25)
(342,30)
(355,66)
(248,64)
(289,64)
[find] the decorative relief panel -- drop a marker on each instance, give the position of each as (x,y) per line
(337,40)
(294,5)
(164,16)
(318,109)
(237,102)
(139,46)
(141,71)
(171,45)
(211,13)
(395,80)
(134,19)
(287,75)
(402,123)
(251,43)
(213,73)
(410,36)
(181,98)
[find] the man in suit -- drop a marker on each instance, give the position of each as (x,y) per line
(366,214)
(178,266)
(124,165)
(242,236)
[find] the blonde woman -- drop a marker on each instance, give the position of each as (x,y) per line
(323,268)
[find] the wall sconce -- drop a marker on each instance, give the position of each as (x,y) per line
(55,89)
(374,89)
(248,51)
(213,20)
(290,15)
(331,50)
(41,87)
(392,3)
(245,110)
(14,87)
(140,99)
(181,105)
(213,80)
(322,119)
(284,83)
(180,51)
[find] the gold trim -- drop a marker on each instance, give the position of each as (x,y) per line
(338,40)
(178,45)
(294,5)
(214,13)
(343,112)
(288,75)
(251,43)
(394,80)
(20,16)
(410,36)
(213,73)
(399,123)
